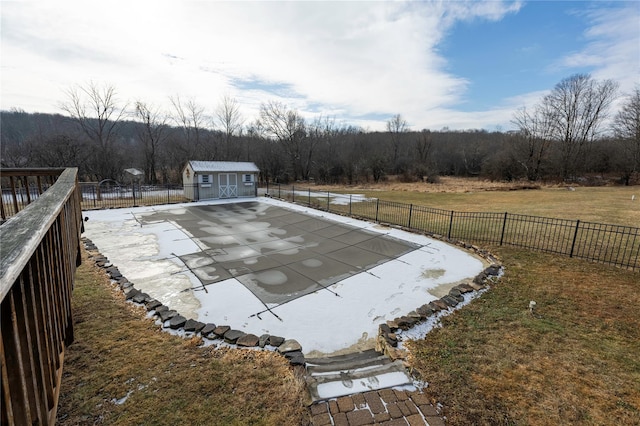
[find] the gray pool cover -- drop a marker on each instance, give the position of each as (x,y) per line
(278,254)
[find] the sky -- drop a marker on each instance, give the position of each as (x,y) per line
(441,64)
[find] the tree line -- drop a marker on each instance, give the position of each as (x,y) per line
(570,134)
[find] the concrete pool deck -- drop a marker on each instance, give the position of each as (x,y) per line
(265,266)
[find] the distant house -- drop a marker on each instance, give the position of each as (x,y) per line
(204,180)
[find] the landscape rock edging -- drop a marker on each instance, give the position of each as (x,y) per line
(289,348)
(386,341)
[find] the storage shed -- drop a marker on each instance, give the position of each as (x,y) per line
(205,180)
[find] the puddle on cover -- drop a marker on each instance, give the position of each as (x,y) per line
(271,277)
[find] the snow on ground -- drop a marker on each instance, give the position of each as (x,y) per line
(145,255)
(321,321)
(333,389)
(336,198)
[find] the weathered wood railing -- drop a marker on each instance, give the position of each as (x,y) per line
(40,252)
(20,187)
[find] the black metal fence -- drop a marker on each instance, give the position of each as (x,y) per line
(113,195)
(19,190)
(610,244)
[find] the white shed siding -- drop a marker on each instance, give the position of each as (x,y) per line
(188,179)
(245,175)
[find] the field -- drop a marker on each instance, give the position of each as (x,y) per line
(575,361)
(602,204)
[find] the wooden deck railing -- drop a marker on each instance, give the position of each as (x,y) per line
(20,187)
(40,243)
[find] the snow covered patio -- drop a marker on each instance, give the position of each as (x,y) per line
(268,267)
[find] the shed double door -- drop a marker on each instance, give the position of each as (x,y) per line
(228,185)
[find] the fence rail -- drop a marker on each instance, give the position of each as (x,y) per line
(610,244)
(40,240)
(19,189)
(101,195)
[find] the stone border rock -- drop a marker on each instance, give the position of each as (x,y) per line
(289,348)
(386,341)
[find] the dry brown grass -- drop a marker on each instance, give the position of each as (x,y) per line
(601,204)
(576,362)
(448,184)
(118,352)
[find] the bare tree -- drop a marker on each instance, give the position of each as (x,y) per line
(352,152)
(287,127)
(577,107)
(152,134)
(191,118)
(97,111)
(324,139)
(230,120)
(14,148)
(626,127)
(60,150)
(473,154)
(377,165)
(423,151)
(397,127)
(531,145)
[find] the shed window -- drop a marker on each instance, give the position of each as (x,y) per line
(205,178)
(247,178)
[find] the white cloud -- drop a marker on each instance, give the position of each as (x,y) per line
(612,48)
(358,61)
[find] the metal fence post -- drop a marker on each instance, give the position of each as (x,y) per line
(410,213)
(450,224)
(168,194)
(504,225)
(328,201)
(575,235)
(309,197)
(293,193)
(377,207)
(279,196)
(350,204)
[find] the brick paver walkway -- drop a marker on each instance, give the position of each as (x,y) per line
(385,407)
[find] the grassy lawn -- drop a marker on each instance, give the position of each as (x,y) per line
(576,361)
(167,380)
(603,204)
